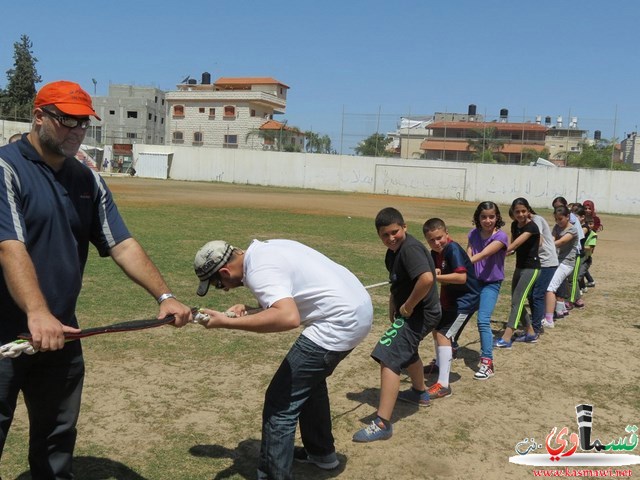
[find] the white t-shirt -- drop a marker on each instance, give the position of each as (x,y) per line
(335,309)
(547,251)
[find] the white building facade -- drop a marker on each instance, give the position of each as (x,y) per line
(227,113)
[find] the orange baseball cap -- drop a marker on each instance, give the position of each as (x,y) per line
(68,97)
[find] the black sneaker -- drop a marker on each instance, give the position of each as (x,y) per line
(325,462)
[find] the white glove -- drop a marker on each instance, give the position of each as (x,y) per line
(15,348)
(202,318)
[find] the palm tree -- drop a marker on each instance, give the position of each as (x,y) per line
(486,146)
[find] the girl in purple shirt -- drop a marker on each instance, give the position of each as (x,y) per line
(487,248)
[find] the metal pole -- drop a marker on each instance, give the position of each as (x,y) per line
(342,131)
(613,140)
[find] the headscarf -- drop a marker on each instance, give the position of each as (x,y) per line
(597,225)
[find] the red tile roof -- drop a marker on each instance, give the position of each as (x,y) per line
(275,125)
(463,146)
(496,125)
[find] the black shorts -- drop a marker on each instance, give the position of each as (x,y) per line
(453,322)
(398,347)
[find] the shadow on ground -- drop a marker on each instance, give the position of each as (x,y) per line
(96,468)
(245,461)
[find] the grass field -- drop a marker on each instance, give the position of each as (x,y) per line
(185,403)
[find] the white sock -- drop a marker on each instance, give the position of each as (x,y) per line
(560,307)
(445,355)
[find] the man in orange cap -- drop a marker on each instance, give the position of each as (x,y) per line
(51,207)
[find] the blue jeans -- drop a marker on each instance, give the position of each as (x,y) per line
(298,392)
(537,297)
(488,298)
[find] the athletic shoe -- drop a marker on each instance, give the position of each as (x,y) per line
(591,284)
(486,369)
(372,432)
(432,368)
(454,349)
(438,391)
(547,323)
(568,305)
(584,290)
(528,338)
(559,315)
(325,462)
(417,398)
(579,304)
(501,343)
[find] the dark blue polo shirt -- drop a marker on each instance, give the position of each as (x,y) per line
(461,298)
(56,215)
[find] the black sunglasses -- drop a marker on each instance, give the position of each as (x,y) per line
(216,281)
(69,122)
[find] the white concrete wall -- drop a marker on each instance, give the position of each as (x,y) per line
(9,128)
(612,191)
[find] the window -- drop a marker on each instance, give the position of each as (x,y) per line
(201,110)
(132,114)
(229,111)
(253,112)
(112,112)
(198,138)
(155,119)
(156,99)
(178,111)
(212,113)
(162,121)
(178,137)
(163,101)
(150,116)
(131,135)
(230,141)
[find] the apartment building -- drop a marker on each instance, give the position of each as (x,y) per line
(561,140)
(630,150)
(412,131)
(130,114)
(450,140)
(464,137)
(227,113)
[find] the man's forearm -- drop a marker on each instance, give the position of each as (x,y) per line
(20,277)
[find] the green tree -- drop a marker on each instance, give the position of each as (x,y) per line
(374,146)
(531,155)
(486,146)
(596,155)
(17,99)
(282,139)
(316,143)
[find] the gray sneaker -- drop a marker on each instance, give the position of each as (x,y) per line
(325,462)
(373,432)
(412,396)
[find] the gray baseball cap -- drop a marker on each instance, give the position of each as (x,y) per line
(209,259)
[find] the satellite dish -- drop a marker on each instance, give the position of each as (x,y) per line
(186,79)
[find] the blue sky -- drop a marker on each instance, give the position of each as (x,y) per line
(373,60)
